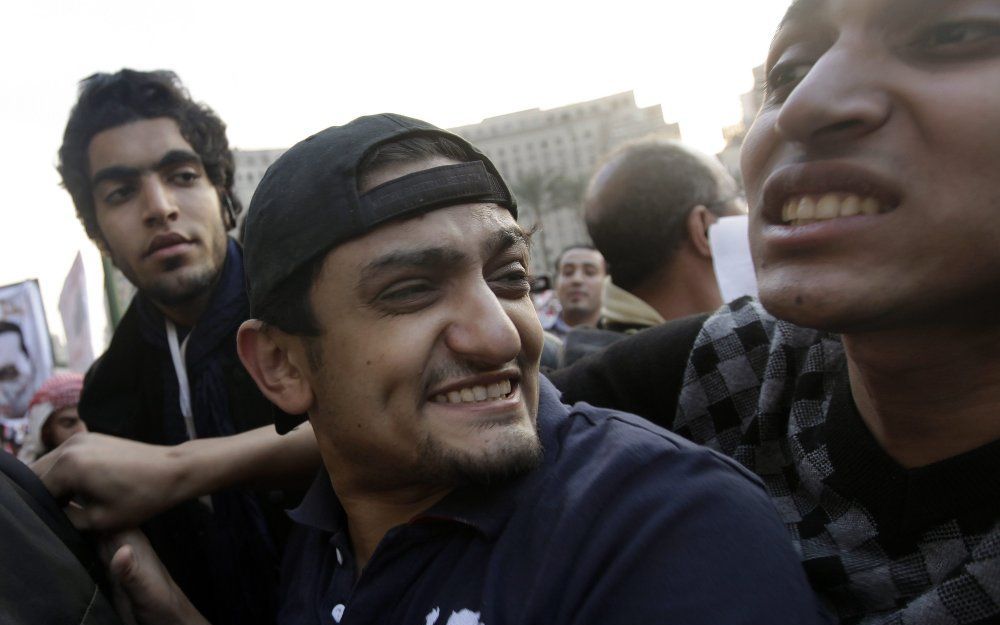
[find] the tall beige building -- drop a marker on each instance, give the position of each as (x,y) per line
(250,168)
(547,156)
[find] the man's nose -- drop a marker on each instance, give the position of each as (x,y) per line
(159,204)
(842,97)
(481,330)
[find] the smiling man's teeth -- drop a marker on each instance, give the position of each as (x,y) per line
(810,208)
(478,393)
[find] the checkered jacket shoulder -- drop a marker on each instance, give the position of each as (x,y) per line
(760,390)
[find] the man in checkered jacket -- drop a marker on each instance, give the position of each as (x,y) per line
(864,388)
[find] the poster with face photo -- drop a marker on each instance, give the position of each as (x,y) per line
(25,356)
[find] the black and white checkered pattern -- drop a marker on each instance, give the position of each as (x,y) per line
(760,391)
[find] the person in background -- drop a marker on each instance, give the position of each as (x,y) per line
(151,176)
(52,416)
(580,272)
(648,208)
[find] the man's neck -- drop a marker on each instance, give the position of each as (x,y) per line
(370,515)
(686,287)
(186,314)
(574,318)
(927,394)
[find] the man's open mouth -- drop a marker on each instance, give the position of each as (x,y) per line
(476,393)
(810,208)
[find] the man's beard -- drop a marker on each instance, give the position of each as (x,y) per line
(168,292)
(517,452)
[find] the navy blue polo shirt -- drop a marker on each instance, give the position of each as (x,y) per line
(623,522)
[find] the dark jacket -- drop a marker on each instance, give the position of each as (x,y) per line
(49,574)
(225,560)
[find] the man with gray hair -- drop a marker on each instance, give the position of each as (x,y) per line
(648,209)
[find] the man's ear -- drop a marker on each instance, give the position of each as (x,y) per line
(228,210)
(698,221)
(274,362)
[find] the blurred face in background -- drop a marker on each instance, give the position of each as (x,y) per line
(60,426)
(579,285)
(872,168)
(16,373)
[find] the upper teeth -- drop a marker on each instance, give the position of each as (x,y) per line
(809,208)
(475,393)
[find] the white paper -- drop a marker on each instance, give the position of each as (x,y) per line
(730,244)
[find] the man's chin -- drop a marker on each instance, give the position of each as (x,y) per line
(177,290)
(511,453)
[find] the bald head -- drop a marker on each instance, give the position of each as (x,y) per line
(638,201)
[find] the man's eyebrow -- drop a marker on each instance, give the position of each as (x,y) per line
(123,172)
(177,157)
(424,257)
(908,10)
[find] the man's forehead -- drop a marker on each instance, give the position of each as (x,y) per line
(450,234)
(582,255)
(801,10)
(139,144)
(808,12)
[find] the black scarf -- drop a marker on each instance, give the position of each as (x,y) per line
(235,545)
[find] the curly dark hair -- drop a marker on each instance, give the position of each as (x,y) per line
(110,100)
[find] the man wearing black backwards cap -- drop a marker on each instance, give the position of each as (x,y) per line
(388,278)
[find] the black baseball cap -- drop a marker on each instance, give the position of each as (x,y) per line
(307,203)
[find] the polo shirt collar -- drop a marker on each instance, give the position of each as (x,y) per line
(483,508)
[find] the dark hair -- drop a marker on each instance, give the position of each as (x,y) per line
(638,201)
(578,246)
(7,326)
(288,307)
(111,100)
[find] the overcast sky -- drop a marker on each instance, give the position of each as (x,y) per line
(279,71)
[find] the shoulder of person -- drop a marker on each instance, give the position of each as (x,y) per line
(620,442)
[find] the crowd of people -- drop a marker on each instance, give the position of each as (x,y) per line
(351,412)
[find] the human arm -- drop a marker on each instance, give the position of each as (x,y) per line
(121,483)
(641,374)
(144,592)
